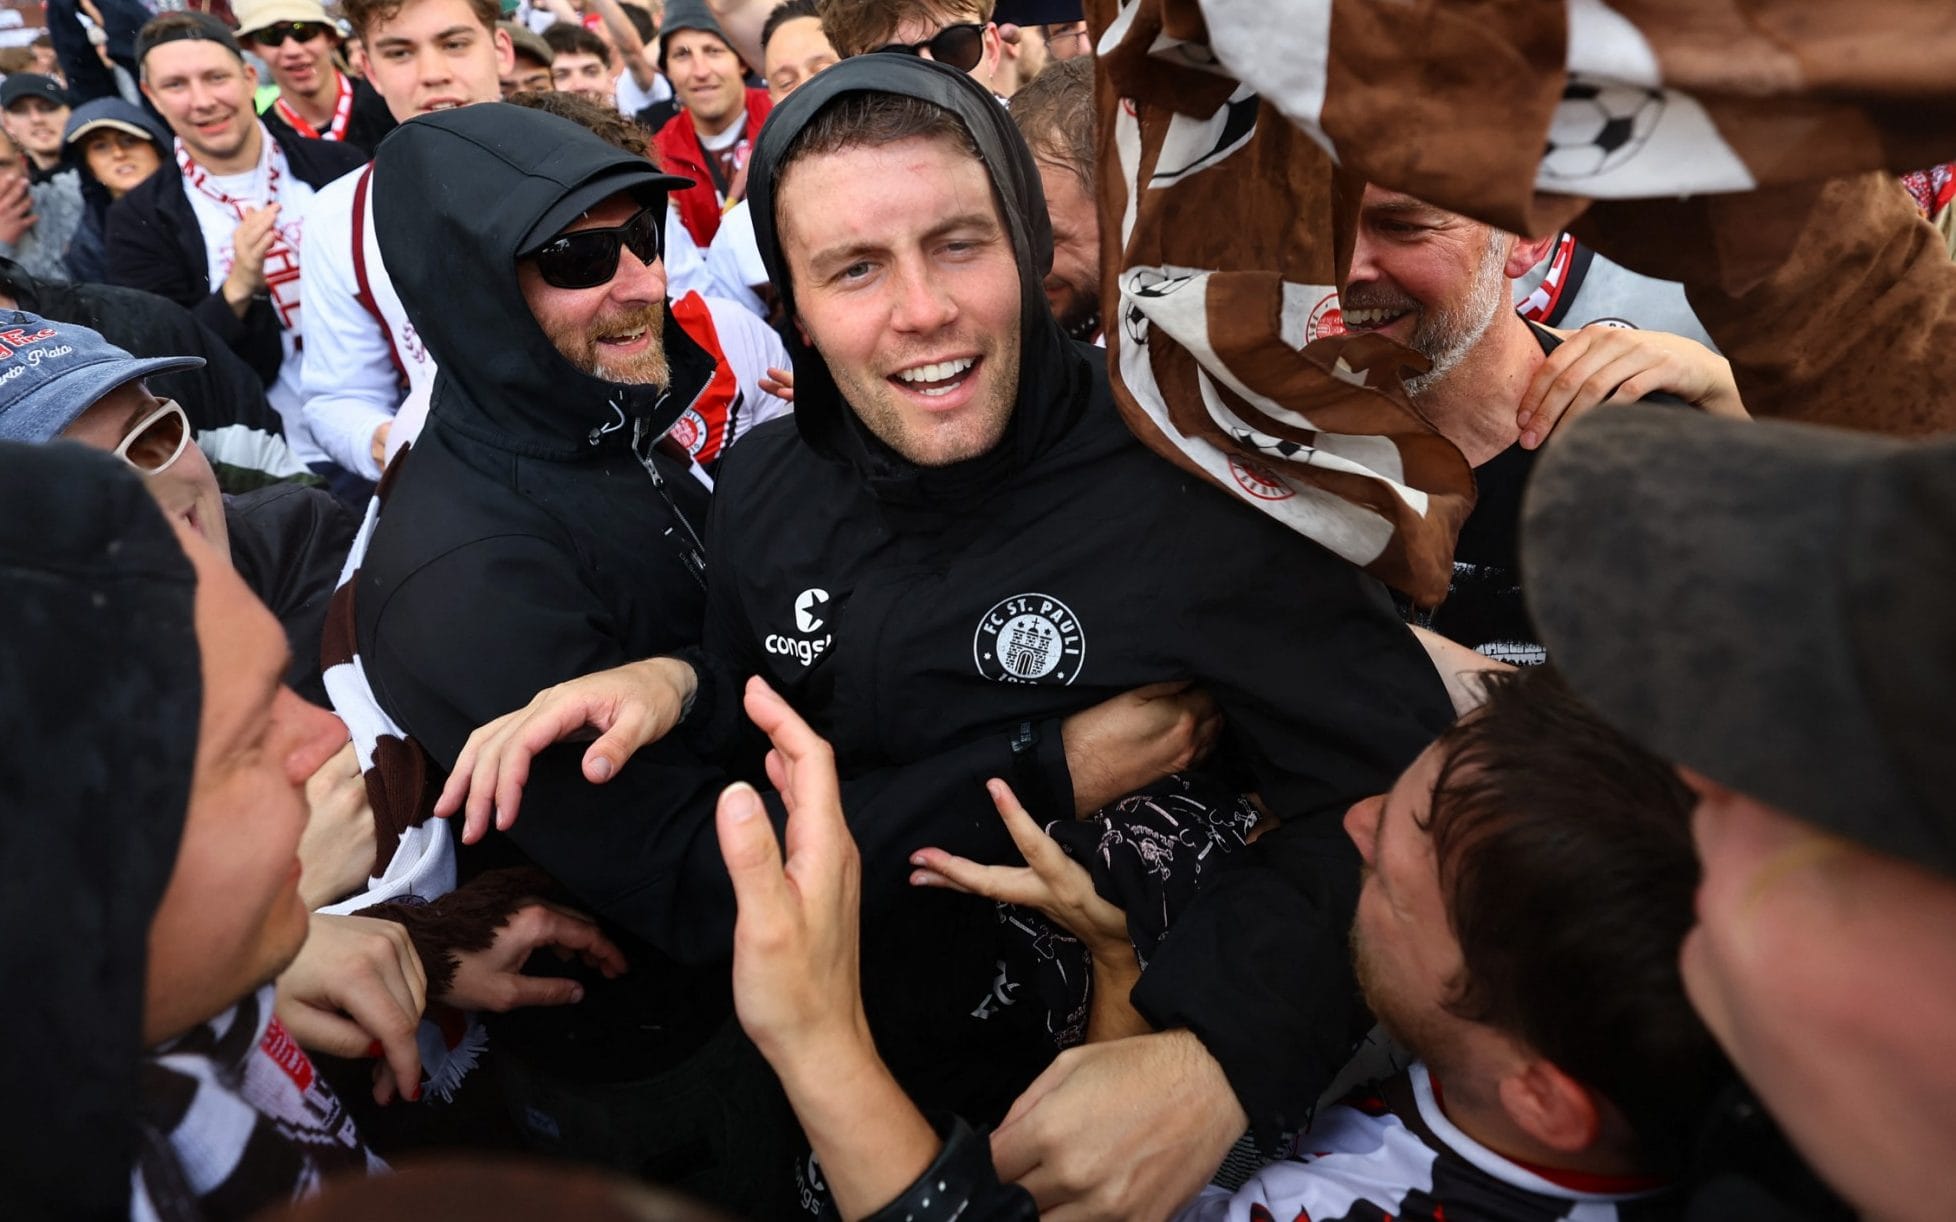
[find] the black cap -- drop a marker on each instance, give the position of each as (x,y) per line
(19,85)
(1766,603)
(687,15)
(185,25)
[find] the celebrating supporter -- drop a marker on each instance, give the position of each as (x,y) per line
(300,44)
(793,50)
(710,139)
(364,358)
(41,204)
(1496,384)
(1789,647)
(34,110)
(580,63)
(1560,1068)
(950,429)
(222,235)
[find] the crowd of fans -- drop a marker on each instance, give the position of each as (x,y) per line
(667,683)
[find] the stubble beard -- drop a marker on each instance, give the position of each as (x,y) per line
(977,430)
(647,368)
(1445,336)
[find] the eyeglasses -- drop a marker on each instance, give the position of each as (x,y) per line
(158,439)
(275,35)
(589,257)
(955,46)
(1068,39)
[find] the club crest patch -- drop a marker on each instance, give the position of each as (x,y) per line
(1030,638)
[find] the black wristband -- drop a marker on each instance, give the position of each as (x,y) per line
(960,1183)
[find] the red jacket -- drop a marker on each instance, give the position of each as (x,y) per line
(679,150)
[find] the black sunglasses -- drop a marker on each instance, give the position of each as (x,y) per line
(589,257)
(275,35)
(955,46)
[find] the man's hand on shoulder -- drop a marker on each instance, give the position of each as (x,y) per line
(1603,364)
(1129,1129)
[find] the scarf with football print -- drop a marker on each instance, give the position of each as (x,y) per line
(234,1118)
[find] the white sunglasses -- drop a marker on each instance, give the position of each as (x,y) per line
(158,439)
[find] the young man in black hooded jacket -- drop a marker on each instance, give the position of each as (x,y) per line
(993,548)
(541,528)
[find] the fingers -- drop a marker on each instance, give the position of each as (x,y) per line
(1039,849)
(752,854)
(515,991)
(554,927)
(1008,884)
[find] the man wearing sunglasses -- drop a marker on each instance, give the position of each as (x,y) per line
(300,44)
(956,33)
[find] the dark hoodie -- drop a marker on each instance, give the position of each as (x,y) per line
(523,543)
(1062,567)
(88,253)
(101,681)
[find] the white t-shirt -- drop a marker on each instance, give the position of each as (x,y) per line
(632,99)
(733,260)
(270,179)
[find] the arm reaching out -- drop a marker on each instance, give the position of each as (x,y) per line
(795,978)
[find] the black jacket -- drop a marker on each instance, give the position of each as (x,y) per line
(1064,566)
(102,688)
(523,543)
(155,243)
(289,544)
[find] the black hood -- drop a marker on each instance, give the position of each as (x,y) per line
(93,192)
(1055,377)
(456,197)
(102,691)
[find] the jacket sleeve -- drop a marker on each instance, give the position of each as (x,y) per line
(348,382)
(1330,697)
(641,849)
(143,254)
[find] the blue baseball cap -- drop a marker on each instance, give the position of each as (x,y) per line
(51,372)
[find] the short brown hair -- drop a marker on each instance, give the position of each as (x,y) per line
(604,123)
(857,27)
(1055,114)
(362,14)
(1568,874)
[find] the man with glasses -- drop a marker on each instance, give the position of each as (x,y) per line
(547,522)
(300,44)
(957,33)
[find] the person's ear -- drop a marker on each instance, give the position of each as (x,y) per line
(1526,253)
(1551,1107)
(994,54)
(803,332)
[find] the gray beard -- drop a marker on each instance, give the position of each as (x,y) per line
(1452,335)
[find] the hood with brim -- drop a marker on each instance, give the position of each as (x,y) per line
(116,113)
(102,690)
(457,197)
(1054,376)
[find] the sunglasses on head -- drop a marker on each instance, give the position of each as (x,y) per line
(958,46)
(158,439)
(589,257)
(275,35)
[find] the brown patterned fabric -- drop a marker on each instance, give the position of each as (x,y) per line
(1221,278)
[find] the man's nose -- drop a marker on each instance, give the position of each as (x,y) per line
(309,735)
(638,282)
(922,305)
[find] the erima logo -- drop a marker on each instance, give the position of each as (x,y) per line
(807,608)
(811,611)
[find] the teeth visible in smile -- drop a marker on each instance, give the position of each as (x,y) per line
(938,372)
(1370,318)
(631,338)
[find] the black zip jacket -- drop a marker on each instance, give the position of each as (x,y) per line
(155,243)
(524,543)
(904,609)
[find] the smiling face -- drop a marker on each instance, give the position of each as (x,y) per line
(186,489)
(706,75)
(1430,279)
(584,74)
(906,282)
(922,25)
(35,124)
(231,917)
(204,94)
(434,55)
(302,66)
(118,160)
(613,330)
